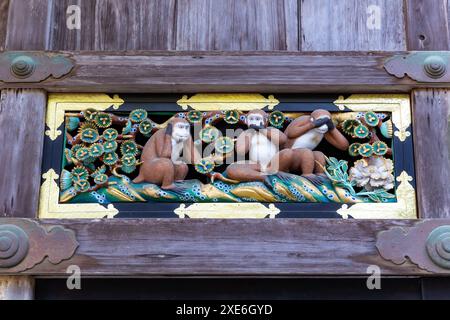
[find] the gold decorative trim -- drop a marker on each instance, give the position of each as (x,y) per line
(227,101)
(227,211)
(404,208)
(49,206)
(397,104)
(59,103)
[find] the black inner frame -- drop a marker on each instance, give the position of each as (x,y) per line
(404,159)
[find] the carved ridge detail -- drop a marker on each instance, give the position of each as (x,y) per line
(33,66)
(24,244)
(427,245)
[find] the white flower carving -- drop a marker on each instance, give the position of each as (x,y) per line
(373,173)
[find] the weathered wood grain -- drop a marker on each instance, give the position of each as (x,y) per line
(4,5)
(191,247)
(329,25)
(427,25)
(115,25)
(431,111)
(28,25)
(234,72)
(16,288)
(21,142)
(237,25)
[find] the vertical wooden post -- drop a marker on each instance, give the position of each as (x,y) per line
(16,288)
(22,130)
(431,109)
(21,142)
(428,29)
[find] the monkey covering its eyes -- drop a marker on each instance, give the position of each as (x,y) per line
(304,135)
(162,164)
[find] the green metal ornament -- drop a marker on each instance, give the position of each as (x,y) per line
(353,149)
(103,120)
(110,158)
(96,150)
(276,119)
(129,147)
(145,127)
(231,116)
(90,114)
(365,150)
(224,145)
(128,160)
(209,134)
(101,179)
(82,186)
(89,134)
(65,181)
(127,128)
(82,153)
(386,129)
(110,146)
(361,132)
(98,171)
(194,116)
(68,155)
(79,173)
(204,166)
(371,118)
(110,134)
(72,123)
(349,125)
(128,169)
(379,148)
(138,115)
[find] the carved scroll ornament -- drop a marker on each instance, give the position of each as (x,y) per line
(24,244)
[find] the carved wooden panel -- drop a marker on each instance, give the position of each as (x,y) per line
(114,161)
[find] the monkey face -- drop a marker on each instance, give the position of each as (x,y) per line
(319,115)
(255,121)
(181,131)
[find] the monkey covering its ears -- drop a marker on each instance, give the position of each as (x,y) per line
(263,145)
(161,155)
(304,135)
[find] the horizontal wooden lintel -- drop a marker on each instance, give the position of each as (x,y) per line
(198,247)
(284,72)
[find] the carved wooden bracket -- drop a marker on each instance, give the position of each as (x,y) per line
(424,66)
(24,243)
(427,245)
(28,67)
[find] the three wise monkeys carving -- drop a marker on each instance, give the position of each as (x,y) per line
(268,149)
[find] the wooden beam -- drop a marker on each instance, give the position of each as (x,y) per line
(330,25)
(198,247)
(16,288)
(431,112)
(231,72)
(21,142)
(427,26)
(28,25)
(3,21)
(428,29)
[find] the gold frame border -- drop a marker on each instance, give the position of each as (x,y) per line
(227,101)
(57,104)
(400,108)
(397,104)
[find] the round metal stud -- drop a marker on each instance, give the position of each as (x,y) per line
(438,246)
(14,245)
(23,67)
(435,67)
